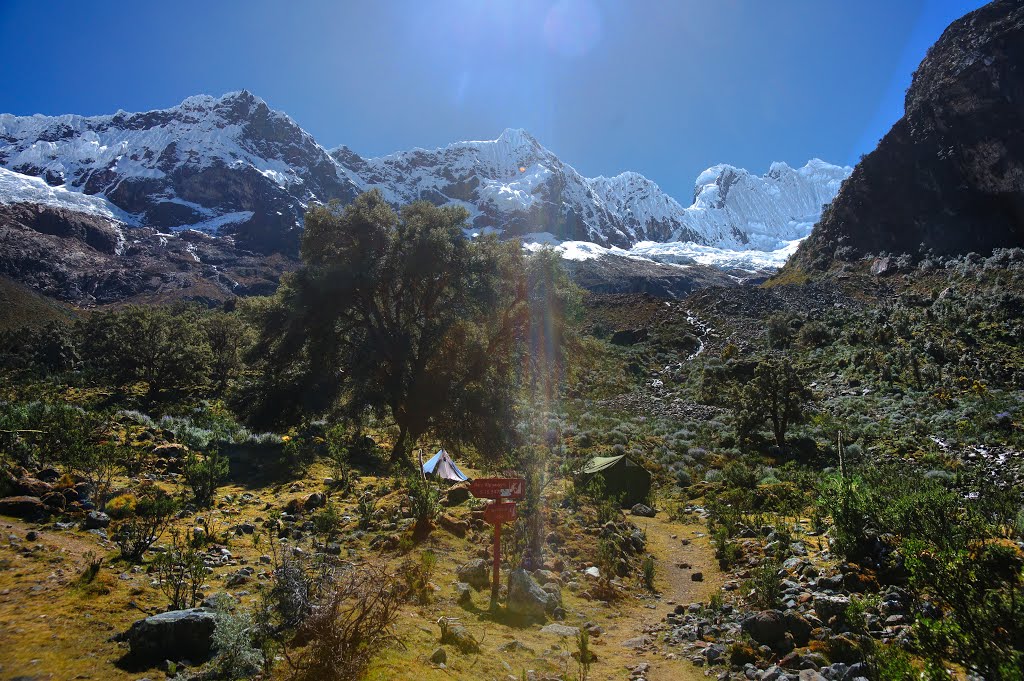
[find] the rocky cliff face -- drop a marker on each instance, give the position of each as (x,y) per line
(949,176)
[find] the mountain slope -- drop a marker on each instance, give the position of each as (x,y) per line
(228,163)
(231,165)
(949,176)
(512,183)
(516,185)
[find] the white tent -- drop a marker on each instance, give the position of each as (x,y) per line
(441,466)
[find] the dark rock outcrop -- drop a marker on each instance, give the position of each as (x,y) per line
(949,175)
(619,274)
(85,259)
(26,508)
(176,635)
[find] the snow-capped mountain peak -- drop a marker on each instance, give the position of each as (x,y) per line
(233,164)
(199,161)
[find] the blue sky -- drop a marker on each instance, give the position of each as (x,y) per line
(663,88)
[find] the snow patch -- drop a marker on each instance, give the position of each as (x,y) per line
(19,188)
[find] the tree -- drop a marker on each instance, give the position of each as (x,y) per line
(165,349)
(398,314)
(204,474)
(227,336)
(775,394)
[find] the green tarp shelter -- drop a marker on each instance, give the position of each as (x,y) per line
(622,477)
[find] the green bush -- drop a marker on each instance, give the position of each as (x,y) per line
(180,571)
(204,474)
(648,568)
(153,513)
(234,639)
(426,500)
(766,585)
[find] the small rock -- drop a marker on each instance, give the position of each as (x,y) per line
(476,573)
(562,630)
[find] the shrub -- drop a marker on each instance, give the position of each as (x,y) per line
(153,513)
(93,563)
(327,521)
(180,572)
(780,332)
(233,639)
(418,575)
(365,506)
(766,585)
(890,663)
(122,506)
(814,335)
(648,572)
(739,475)
(683,478)
(204,474)
(583,654)
(302,445)
(426,500)
(348,625)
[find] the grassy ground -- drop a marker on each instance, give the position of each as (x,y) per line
(54,626)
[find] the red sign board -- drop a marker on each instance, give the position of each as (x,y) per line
(498,488)
(498,513)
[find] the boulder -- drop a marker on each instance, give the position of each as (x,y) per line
(798,627)
(456,495)
(459,528)
(476,573)
(33,487)
(439,656)
(176,635)
(827,607)
(50,475)
(96,520)
(643,510)
(315,500)
(459,636)
(844,648)
(463,594)
(56,501)
(767,627)
(525,596)
(24,507)
(554,592)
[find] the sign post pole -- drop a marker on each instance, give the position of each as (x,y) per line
(496,578)
(504,491)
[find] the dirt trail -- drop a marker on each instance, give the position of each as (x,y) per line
(675,586)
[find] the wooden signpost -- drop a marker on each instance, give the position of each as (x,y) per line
(498,488)
(503,510)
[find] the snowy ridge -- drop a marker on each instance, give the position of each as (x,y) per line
(18,188)
(231,165)
(511,183)
(732,208)
(682,254)
(196,163)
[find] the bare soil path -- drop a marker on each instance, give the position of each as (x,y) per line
(680,551)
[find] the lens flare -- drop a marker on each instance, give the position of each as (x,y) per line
(572,27)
